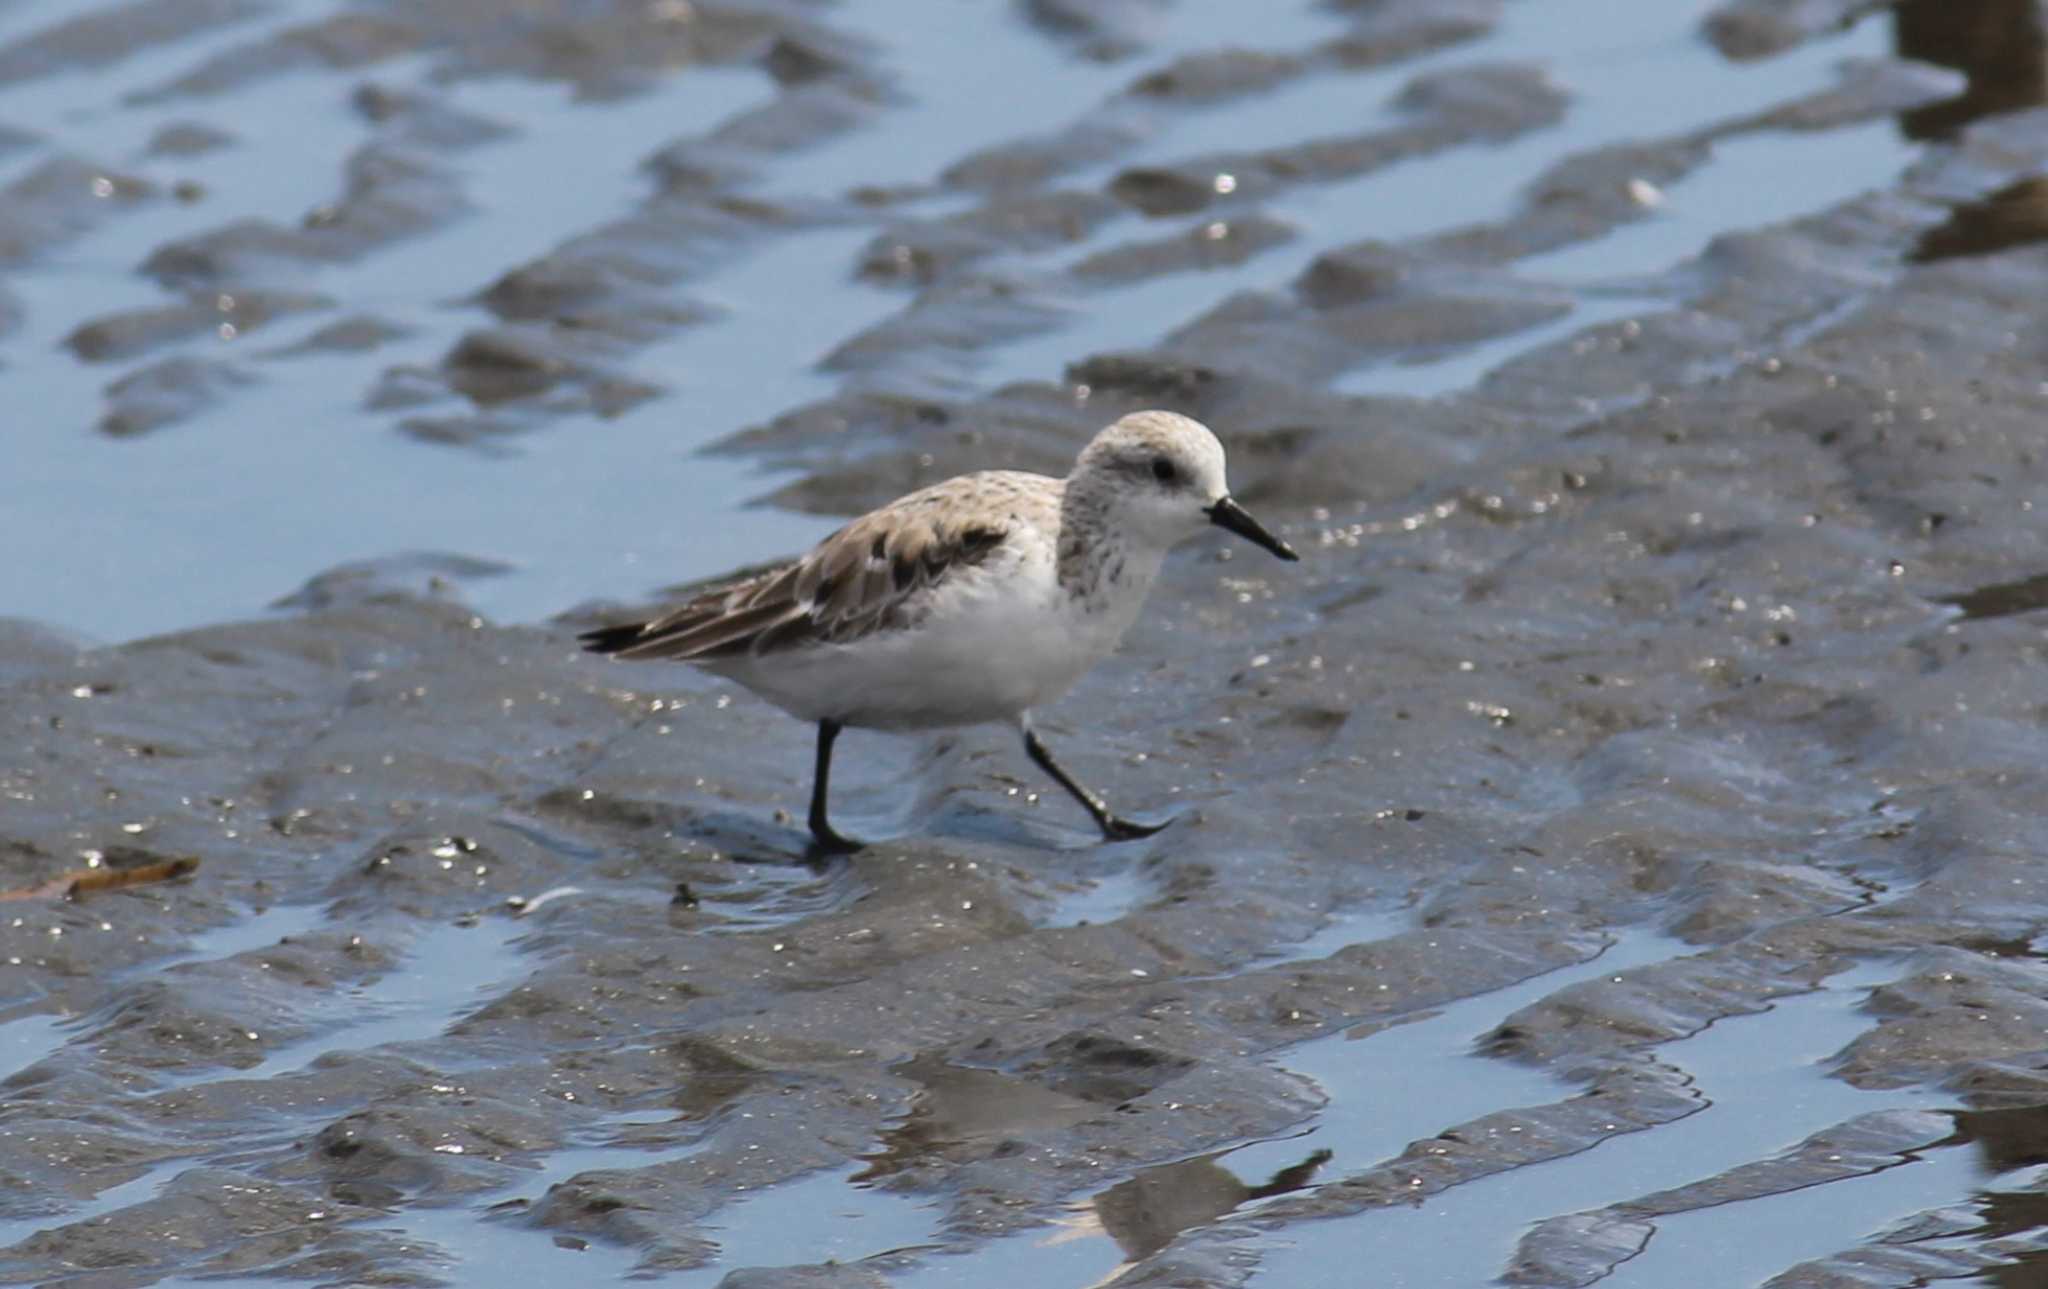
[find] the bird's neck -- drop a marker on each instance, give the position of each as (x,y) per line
(1098,564)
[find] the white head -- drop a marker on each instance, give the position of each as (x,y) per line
(1159,476)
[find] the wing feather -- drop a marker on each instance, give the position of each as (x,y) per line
(875,574)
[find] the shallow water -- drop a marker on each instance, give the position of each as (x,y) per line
(616,506)
(1763,1091)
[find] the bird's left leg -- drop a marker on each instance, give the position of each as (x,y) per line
(1113,827)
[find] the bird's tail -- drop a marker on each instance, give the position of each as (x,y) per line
(613,639)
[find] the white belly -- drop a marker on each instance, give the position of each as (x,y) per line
(1003,641)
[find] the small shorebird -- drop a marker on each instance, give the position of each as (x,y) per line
(973,600)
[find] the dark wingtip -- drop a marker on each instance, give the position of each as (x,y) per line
(612,639)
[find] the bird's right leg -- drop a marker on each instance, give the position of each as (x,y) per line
(825,840)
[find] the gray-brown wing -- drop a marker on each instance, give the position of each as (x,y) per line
(871,575)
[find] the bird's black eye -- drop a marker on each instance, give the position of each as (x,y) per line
(1162,470)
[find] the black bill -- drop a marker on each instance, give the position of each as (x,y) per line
(1228,514)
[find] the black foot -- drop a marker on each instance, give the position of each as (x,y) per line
(1115,829)
(825,842)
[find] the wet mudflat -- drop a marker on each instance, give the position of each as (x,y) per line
(1613,854)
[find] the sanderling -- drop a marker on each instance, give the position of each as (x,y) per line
(970,601)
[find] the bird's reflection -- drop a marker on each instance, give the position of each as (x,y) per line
(1144,1213)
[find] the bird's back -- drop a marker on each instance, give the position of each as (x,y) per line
(887,573)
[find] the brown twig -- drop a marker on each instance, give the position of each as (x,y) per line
(90,881)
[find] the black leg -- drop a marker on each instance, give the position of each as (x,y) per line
(1113,828)
(827,841)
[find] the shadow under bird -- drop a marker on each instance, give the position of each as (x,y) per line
(970,601)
